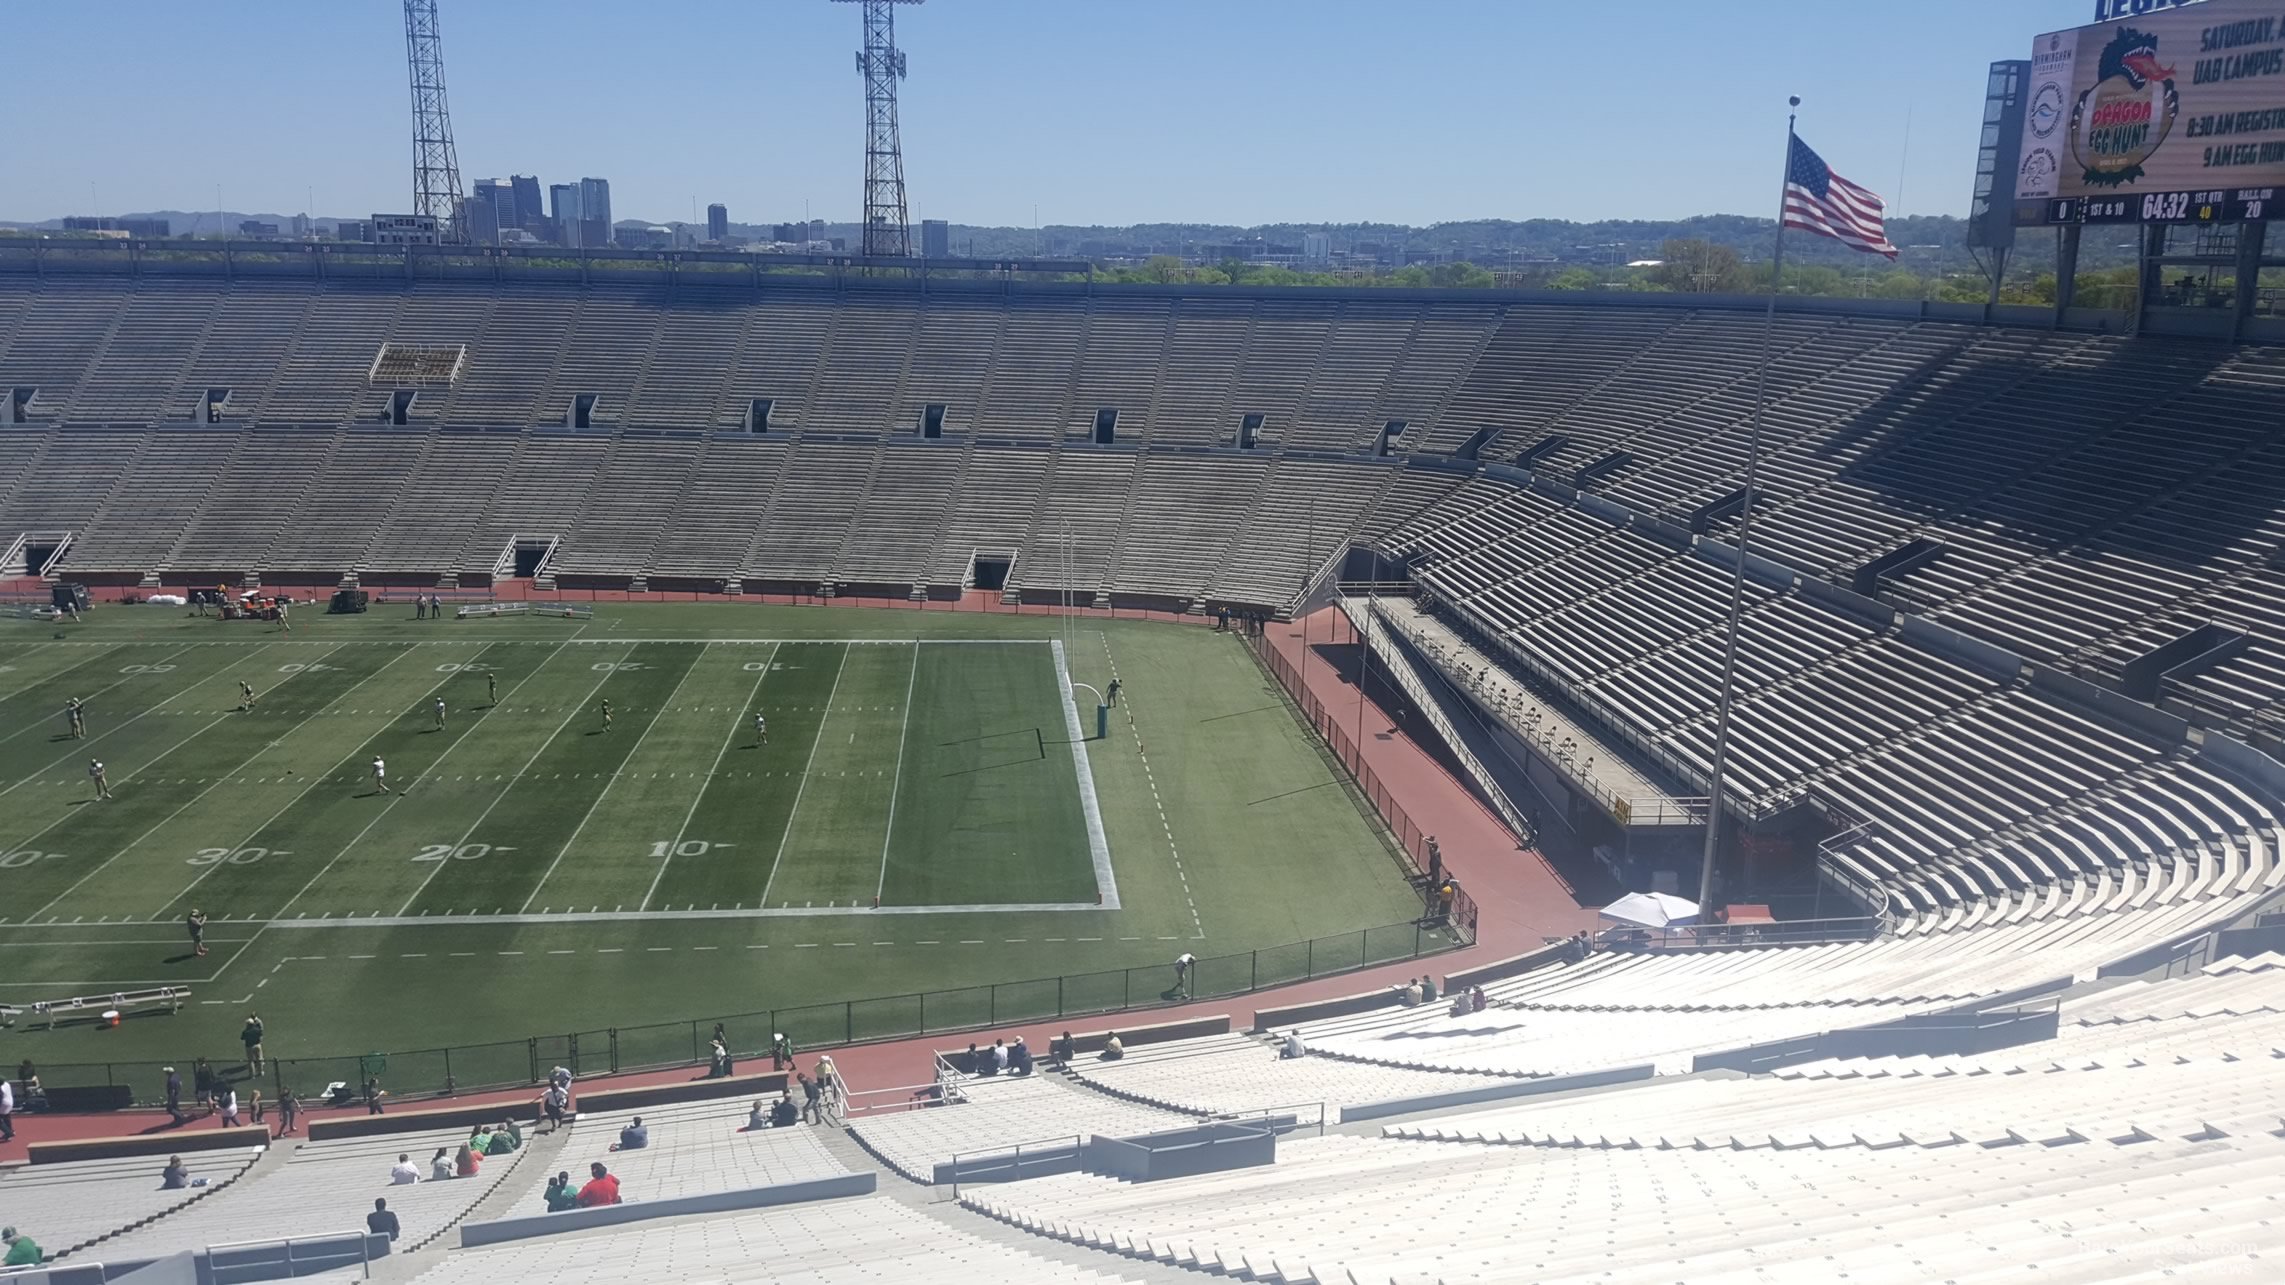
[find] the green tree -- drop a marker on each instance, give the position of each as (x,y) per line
(1691,265)
(1573,279)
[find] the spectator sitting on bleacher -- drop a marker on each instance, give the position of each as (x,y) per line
(1292,1046)
(480,1139)
(404,1174)
(1475,999)
(22,1251)
(1409,993)
(1019,1057)
(440,1165)
(1113,1049)
(559,1194)
(634,1137)
(1059,1049)
(381,1220)
(601,1188)
(999,1057)
(175,1176)
(506,1137)
(783,1113)
(979,1063)
(757,1117)
(464,1162)
(1428,990)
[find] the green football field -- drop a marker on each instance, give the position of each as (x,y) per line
(926,811)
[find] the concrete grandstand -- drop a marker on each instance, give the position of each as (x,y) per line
(2012,684)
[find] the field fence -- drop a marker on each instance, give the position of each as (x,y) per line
(1409,840)
(467,1068)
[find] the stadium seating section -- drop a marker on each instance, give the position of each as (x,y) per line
(1983,552)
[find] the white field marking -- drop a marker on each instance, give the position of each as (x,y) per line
(1198,926)
(633,916)
(118,982)
(637,748)
(116,941)
(1098,846)
(201,731)
(138,841)
(803,785)
(904,733)
(409,782)
(577,708)
(33,680)
(846,642)
(34,724)
(737,721)
(348,762)
(152,708)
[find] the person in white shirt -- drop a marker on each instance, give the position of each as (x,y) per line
(1293,1046)
(404,1175)
(381,776)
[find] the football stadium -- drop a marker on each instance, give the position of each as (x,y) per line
(583,765)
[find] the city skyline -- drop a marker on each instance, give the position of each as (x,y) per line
(1323,113)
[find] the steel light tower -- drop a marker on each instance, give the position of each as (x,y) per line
(436,165)
(888,233)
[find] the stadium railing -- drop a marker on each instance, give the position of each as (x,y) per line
(468,1068)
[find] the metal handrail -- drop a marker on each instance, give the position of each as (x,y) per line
(1241,1117)
(1077,1140)
(359,1234)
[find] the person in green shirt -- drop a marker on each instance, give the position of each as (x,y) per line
(480,1141)
(22,1252)
(561,1195)
(504,1139)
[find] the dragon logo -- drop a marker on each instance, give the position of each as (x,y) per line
(2122,120)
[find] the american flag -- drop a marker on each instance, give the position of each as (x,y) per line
(1820,201)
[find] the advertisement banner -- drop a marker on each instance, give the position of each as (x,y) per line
(2175,114)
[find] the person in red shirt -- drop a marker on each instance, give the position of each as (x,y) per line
(601,1188)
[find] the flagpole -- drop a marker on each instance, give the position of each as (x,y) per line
(1745,534)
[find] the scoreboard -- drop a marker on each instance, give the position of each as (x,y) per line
(2225,205)
(2173,114)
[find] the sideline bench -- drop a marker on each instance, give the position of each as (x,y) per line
(169,998)
(567,610)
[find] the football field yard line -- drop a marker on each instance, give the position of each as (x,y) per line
(219,781)
(32,680)
(1098,843)
(904,733)
(69,815)
(67,671)
(735,723)
(34,724)
(348,760)
(580,707)
(650,916)
(605,792)
(30,724)
(802,787)
(392,803)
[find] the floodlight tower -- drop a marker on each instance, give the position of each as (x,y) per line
(888,234)
(436,165)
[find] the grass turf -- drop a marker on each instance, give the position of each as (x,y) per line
(899,763)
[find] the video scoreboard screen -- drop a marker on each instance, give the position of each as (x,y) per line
(2166,113)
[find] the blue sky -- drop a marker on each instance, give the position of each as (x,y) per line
(1234,111)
